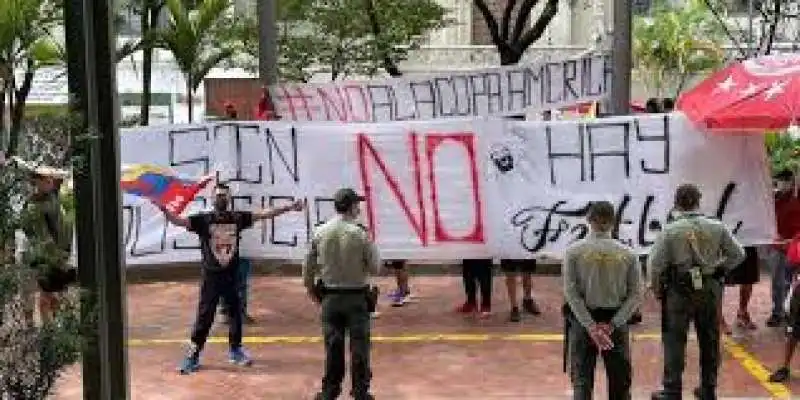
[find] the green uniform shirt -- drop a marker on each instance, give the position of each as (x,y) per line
(693,240)
(342,254)
(600,272)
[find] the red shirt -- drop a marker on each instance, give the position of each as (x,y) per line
(787,214)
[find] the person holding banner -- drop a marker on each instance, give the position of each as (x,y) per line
(687,265)
(219,233)
(792,309)
(402,294)
(477,273)
(512,269)
(787,219)
(602,289)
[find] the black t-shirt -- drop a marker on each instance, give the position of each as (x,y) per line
(219,234)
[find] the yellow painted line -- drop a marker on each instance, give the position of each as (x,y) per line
(754,367)
(412,338)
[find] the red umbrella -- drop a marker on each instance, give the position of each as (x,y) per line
(755,95)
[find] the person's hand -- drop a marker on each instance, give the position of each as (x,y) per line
(600,338)
(313,296)
(606,328)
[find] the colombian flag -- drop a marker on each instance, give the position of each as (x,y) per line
(161,185)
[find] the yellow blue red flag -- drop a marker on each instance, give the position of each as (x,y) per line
(161,185)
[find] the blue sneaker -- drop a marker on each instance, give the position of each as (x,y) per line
(191,363)
(239,357)
(400,298)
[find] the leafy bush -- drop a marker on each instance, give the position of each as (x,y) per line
(32,356)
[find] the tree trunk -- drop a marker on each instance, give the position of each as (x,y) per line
(18,109)
(148,21)
(3,131)
(508,56)
(386,59)
(190,97)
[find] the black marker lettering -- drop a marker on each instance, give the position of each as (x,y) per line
(382,99)
(273,148)
(570,76)
(272,201)
(611,128)
(663,138)
(552,155)
(424,97)
(190,136)
(516,90)
(239,130)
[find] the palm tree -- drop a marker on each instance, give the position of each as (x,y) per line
(26,43)
(193,36)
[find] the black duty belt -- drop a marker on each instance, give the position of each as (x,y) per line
(341,290)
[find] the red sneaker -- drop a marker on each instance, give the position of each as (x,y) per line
(466,308)
(486,311)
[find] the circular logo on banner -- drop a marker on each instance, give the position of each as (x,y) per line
(773,65)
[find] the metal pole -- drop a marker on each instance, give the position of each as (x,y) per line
(267,42)
(750,44)
(622,63)
(92,85)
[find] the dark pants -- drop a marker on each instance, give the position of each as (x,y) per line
(680,310)
(478,273)
(346,313)
(214,286)
(583,358)
(243,285)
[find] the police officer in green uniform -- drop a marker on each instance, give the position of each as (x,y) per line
(603,288)
(687,264)
(343,257)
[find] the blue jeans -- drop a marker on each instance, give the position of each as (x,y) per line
(782,273)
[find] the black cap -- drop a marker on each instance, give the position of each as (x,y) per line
(346,197)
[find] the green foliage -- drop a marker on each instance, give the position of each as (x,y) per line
(784,151)
(346,37)
(27,44)
(32,356)
(26,28)
(674,44)
(193,36)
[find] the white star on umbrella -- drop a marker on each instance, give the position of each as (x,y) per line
(727,84)
(750,90)
(774,90)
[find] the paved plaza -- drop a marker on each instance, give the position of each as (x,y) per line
(421,351)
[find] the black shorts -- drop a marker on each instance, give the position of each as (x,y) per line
(57,280)
(523,266)
(395,264)
(746,273)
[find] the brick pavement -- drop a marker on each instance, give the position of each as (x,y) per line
(502,367)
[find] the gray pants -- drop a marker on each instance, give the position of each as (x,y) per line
(346,313)
(680,310)
(583,358)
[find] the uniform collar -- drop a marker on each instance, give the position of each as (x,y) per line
(600,235)
(687,214)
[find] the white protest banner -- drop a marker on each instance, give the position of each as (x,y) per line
(543,176)
(508,90)
(452,189)
(421,180)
